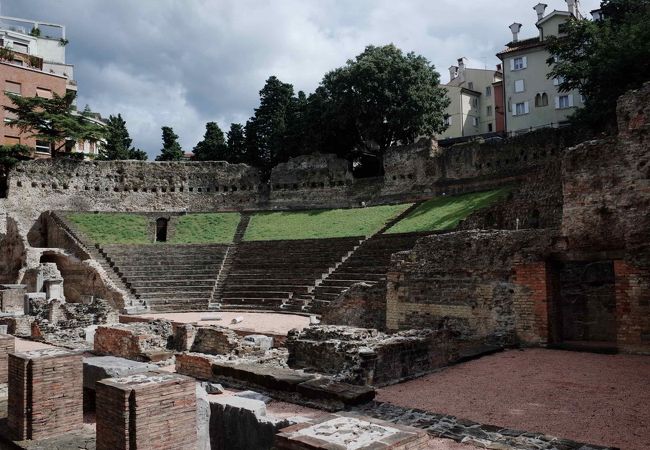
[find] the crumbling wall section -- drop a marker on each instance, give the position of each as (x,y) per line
(465,283)
(363,305)
(367,357)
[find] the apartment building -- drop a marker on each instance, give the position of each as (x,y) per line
(33,63)
(532,100)
(474,108)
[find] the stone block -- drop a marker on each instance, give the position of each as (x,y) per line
(271,378)
(98,368)
(327,389)
(12,298)
(339,431)
(254,396)
(259,341)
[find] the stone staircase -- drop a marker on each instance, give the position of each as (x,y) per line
(132,303)
(228,259)
(266,275)
(169,277)
(368,263)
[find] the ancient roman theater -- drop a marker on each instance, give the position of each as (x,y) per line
(481,295)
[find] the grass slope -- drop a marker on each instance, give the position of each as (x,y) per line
(209,228)
(320,224)
(444,213)
(112,228)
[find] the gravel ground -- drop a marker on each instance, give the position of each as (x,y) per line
(263,323)
(599,399)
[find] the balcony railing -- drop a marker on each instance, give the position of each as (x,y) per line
(21,59)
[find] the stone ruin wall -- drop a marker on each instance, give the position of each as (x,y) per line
(503,285)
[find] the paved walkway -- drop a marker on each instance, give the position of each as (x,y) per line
(600,399)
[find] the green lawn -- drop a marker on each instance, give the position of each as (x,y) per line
(444,213)
(319,224)
(112,228)
(209,228)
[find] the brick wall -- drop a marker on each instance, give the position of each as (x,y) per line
(466,283)
(7,345)
(132,341)
(632,286)
(152,411)
(45,393)
(194,365)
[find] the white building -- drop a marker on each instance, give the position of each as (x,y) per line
(532,100)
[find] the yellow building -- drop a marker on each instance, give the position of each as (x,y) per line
(472,109)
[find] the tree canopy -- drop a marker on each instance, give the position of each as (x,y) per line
(213,146)
(171,150)
(603,59)
(117,142)
(236,143)
(53,120)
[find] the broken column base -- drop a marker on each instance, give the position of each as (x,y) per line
(348,430)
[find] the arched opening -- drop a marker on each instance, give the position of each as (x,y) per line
(161,229)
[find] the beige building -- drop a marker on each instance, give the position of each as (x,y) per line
(472,109)
(532,100)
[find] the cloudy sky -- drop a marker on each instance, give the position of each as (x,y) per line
(183,63)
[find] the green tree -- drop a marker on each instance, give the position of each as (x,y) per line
(295,133)
(236,141)
(117,142)
(213,146)
(603,59)
(266,130)
(54,121)
(379,99)
(171,150)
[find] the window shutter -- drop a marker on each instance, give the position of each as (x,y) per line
(556,81)
(514,111)
(525,61)
(526,108)
(512,64)
(557,102)
(570,100)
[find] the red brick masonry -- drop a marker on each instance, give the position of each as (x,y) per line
(7,345)
(146,411)
(45,393)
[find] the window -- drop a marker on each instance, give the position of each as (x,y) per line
(544,99)
(489,111)
(42,92)
(488,91)
(563,101)
(561,28)
(470,86)
(489,128)
(10,115)
(474,102)
(541,100)
(519,86)
(520,109)
(518,63)
(475,121)
(448,120)
(43,146)
(558,81)
(12,140)
(20,47)
(13,87)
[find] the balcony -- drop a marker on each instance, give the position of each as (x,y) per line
(21,59)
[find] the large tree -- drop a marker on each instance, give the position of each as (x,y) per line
(213,146)
(603,59)
(236,142)
(171,150)
(265,131)
(381,98)
(53,120)
(117,142)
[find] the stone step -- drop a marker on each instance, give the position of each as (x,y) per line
(257,294)
(252,303)
(164,272)
(144,284)
(174,276)
(359,276)
(146,296)
(234,288)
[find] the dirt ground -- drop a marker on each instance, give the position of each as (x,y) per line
(587,397)
(263,323)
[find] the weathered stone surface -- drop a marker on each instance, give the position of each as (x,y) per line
(362,305)
(98,368)
(138,341)
(328,389)
(12,298)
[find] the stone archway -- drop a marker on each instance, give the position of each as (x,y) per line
(162,225)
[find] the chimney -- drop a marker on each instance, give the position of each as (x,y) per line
(453,72)
(539,9)
(516,28)
(573,7)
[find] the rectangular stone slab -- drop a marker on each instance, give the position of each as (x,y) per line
(101,367)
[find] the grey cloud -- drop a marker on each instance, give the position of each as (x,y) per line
(183,63)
